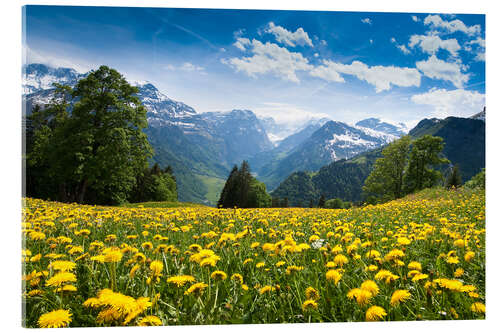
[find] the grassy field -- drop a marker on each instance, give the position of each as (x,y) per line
(418,258)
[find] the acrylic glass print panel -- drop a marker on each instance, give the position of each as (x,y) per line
(209,166)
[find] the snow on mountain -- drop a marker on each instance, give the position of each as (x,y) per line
(481,115)
(383,126)
(37,77)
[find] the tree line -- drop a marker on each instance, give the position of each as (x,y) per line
(88,146)
(408,166)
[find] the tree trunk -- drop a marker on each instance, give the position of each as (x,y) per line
(82,190)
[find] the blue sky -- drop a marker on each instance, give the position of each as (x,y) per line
(291,65)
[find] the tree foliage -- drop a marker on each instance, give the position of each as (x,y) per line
(87,145)
(155,184)
(386,179)
(424,157)
(405,167)
(243,190)
(454,179)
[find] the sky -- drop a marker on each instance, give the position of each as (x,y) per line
(290,65)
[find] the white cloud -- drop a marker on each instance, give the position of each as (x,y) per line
(458,102)
(480,56)
(371,41)
(270,58)
(479,45)
(284,36)
(414,18)
(316,54)
(187,67)
(401,47)
(366,20)
(41,57)
(241,43)
(432,43)
(435,21)
(381,77)
(323,42)
(284,113)
(438,69)
(327,72)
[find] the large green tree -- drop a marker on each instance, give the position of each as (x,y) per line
(424,157)
(386,179)
(89,141)
(243,190)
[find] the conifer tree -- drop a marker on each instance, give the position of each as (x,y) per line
(454,178)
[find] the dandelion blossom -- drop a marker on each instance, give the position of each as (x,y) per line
(309,305)
(370,286)
(196,288)
(375,313)
(180,280)
(478,307)
(218,275)
(61,278)
(312,293)
(150,321)
(399,296)
(55,319)
(333,275)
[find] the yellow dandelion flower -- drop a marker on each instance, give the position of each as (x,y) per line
(340,260)
(62,265)
(415,265)
(196,288)
(181,280)
(265,289)
(237,277)
(150,321)
(312,293)
(218,275)
(55,319)
(370,286)
(333,275)
(469,256)
(292,269)
(309,305)
(419,276)
(478,307)
(60,278)
(458,272)
(399,296)
(375,313)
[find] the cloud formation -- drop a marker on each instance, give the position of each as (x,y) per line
(270,58)
(436,22)
(381,77)
(366,20)
(435,68)
(284,36)
(458,102)
(432,43)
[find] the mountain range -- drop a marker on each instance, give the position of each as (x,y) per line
(203,147)
(464,145)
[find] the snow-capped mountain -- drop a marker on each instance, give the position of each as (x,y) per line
(38,77)
(331,142)
(481,115)
(383,127)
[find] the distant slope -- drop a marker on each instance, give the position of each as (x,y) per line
(464,145)
(331,142)
(464,141)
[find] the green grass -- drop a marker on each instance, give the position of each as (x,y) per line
(214,187)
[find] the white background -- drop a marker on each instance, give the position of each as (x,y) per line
(10,131)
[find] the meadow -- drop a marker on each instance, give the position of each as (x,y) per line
(418,258)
